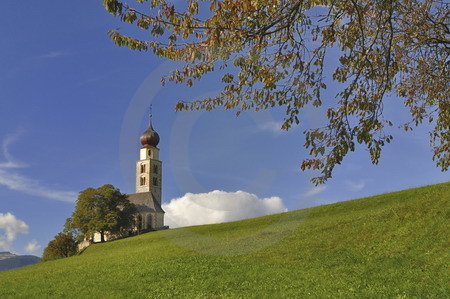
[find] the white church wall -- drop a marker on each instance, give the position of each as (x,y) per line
(159,220)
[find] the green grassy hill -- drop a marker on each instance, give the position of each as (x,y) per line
(387,246)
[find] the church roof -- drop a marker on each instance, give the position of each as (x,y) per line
(149,138)
(145,202)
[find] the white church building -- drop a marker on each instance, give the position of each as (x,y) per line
(147,198)
(148,183)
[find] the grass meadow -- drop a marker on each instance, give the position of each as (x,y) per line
(391,245)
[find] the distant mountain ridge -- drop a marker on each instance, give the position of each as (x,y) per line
(10,260)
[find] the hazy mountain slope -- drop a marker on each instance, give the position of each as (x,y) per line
(11,261)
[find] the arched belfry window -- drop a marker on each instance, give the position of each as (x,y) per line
(142,168)
(155,168)
(155,181)
(143,181)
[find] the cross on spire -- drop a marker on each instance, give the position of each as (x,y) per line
(151,115)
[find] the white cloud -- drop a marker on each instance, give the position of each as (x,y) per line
(219,206)
(10,226)
(26,185)
(355,186)
(272,126)
(10,161)
(314,191)
(17,182)
(32,246)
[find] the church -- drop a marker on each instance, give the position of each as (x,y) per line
(147,198)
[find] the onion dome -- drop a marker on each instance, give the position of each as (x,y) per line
(149,138)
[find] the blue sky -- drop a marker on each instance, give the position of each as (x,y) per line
(72,107)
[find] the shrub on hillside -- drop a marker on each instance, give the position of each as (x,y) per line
(64,245)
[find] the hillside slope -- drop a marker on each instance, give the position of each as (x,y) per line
(392,245)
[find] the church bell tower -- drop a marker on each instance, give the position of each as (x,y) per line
(149,167)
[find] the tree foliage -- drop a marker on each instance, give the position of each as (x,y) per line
(102,210)
(63,245)
(273,52)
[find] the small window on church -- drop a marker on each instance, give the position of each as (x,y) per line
(155,181)
(143,181)
(155,168)
(143,168)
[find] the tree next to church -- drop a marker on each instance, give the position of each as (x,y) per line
(283,53)
(102,210)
